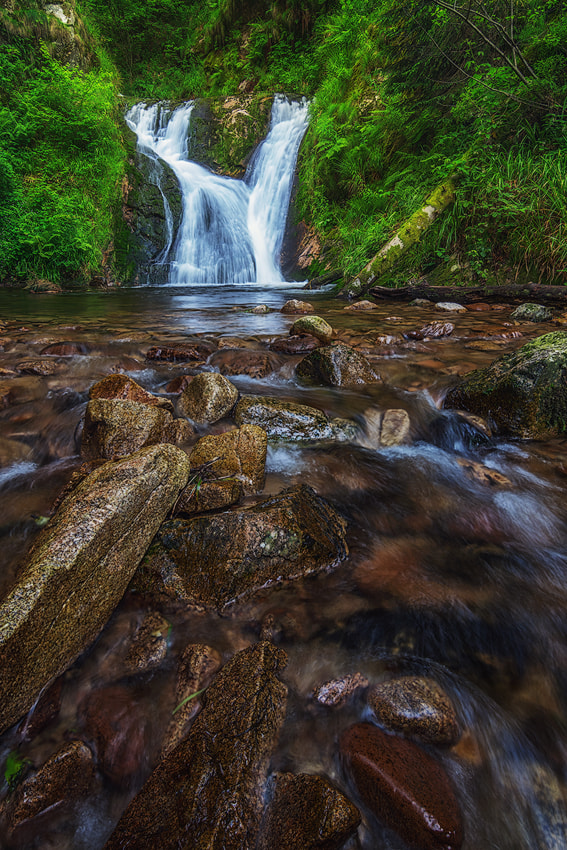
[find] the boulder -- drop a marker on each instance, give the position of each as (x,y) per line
(305,812)
(115,428)
(208,791)
(531,313)
(65,349)
(201,495)
(295,344)
(79,568)
(433,330)
(336,365)
(214,560)
(242,361)
(287,421)
(197,666)
(149,645)
(416,707)
(240,453)
(363,306)
(38,366)
(450,307)
(294,306)
(337,692)
(314,326)
(208,398)
(198,350)
(68,775)
(122,387)
(523,394)
(403,786)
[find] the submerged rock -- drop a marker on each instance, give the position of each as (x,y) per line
(433,330)
(523,394)
(417,707)
(197,350)
(336,692)
(213,561)
(79,568)
(242,361)
(208,398)
(305,812)
(115,428)
(285,421)
(295,306)
(336,365)
(240,453)
(295,344)
(403,786)
(207,792)
(314,326)
(149,645)
(531,313)
(384,429)
(65,349)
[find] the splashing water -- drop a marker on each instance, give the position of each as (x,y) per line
(231,230)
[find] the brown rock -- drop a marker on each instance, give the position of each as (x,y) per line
(201,495)
(122,387)
(12,451)
(66,776)
(65,349)
(79,568)
(177,385)
(39,366)
(314,326)
(115,428)
(336,692)
(306,812)
(240,453)
(295,344)
(45,710)
(395,428)
(207,792)
(478,307)
(295,306)
(235,342)
(208,398)
(483,474)
(181,353)
(114,721)
(197,666)
(336,365)
(149,645)
(403,786)
(214,560)
(255,364)
(361,305)
(417,707)
(260,309)
(433,330)
(284,420)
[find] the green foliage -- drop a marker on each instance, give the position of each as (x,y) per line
(14,769)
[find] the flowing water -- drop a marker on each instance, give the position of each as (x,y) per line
(448,576)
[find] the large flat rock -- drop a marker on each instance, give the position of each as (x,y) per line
(79,569)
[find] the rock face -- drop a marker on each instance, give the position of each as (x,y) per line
(403,786)
(66,776)
(306,812)
(208,398)
(207,792)
(115,428)
(336,365)
(79,569)
(212,561)
(524,394)
(240,453)
(416,707)
(286,421)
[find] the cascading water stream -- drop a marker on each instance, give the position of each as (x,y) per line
(231,230)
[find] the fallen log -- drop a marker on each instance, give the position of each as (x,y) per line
(324,279)
(467,294)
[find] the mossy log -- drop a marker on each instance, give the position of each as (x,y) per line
(408,234)
(467,294)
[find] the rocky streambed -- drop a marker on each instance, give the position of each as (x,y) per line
(282,574)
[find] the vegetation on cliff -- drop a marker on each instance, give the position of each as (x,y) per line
(403,98)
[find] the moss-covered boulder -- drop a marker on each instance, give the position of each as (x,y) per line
(523,394)
(314,326)
(79,569)
(211,561)
(529,312)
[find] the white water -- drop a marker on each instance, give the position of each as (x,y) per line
(231,230)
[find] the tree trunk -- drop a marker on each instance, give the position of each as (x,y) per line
(469,294)
(408,234)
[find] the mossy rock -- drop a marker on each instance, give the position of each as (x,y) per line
(523,394)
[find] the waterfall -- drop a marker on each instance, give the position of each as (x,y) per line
(231,230)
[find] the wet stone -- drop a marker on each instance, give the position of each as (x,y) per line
(12,451)
(40,366)
(208,398)
(200,495)
(255,364)
(295,306)
(208,792)
(68,775)
(181,353)
(122,387)
(336,365)
(450,307)
(403,786)
(483,474)
(43,713)
(361,306)
(197,666)
(305,812)
(115,722)
(286,421)
(433,330)
(216,560)
(239,453)
(302,344)
(337,692)
(177,385)
(314,326)
(531,313)
(65,349)
(260,309)
(149,645)
(416,707)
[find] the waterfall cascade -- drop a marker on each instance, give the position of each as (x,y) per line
(231,230)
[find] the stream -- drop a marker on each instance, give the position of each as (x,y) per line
(450,576)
